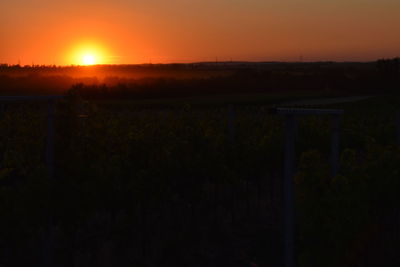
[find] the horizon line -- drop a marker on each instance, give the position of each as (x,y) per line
(194,62)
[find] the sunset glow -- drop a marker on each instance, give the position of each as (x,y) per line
(87,53)
(189,31)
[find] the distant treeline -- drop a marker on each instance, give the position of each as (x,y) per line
(174,80)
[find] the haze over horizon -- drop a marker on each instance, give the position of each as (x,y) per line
(134,32)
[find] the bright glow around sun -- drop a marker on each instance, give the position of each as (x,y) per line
(88,59)
(88,53)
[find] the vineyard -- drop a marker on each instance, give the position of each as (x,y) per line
(195,186)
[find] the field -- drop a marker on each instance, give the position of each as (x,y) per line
(196,181)
(202,79)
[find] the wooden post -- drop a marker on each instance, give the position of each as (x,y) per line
(288,193)
(335,139)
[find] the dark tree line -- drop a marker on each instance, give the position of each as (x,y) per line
(177,80)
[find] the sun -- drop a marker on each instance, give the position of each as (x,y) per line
(88,54)
(88,59)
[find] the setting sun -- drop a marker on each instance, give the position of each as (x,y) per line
(88,59)
(88,53)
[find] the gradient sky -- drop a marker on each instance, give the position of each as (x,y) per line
(133,31)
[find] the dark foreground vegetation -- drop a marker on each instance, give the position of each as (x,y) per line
(198,185)
(182,187)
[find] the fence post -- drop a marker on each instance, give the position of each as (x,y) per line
(335,139)
(288,192)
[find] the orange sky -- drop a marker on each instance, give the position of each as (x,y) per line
(137,31)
